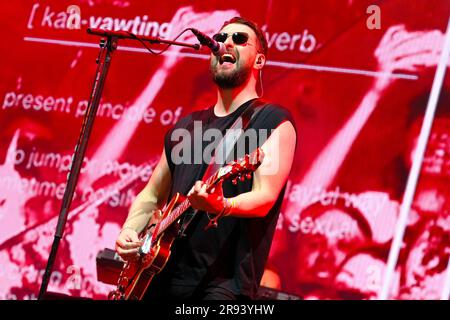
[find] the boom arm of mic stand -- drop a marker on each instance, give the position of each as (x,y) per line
(127,35)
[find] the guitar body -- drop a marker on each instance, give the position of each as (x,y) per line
(137,275)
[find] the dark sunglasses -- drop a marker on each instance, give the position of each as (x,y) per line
(239,38)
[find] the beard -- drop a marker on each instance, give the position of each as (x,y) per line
(230,79)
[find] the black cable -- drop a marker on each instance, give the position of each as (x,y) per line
(150,49)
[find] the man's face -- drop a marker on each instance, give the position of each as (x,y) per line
(233,69)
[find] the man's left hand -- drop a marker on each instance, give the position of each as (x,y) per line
(201,199)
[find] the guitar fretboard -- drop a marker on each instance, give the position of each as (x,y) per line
(180,209)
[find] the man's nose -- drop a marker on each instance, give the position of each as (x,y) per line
(229,42)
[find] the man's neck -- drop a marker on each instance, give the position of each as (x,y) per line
(228,100)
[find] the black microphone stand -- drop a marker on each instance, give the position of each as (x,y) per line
(107,47)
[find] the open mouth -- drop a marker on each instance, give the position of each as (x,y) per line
(227,57)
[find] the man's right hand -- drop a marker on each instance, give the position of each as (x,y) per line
(127,244)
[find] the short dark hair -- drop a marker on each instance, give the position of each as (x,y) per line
(259,33)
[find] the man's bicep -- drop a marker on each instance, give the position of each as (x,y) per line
(279,150)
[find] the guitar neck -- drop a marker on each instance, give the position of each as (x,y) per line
(247,164)
(181,208)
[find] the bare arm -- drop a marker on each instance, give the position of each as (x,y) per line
(268,179)
(152,197)
(271,176)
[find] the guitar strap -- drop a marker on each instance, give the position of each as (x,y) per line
(224,151)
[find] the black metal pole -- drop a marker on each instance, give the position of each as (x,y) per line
(107,46)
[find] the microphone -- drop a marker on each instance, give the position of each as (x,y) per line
(217,48)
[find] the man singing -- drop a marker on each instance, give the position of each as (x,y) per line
(226,262)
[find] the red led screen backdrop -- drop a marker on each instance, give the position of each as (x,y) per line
(356,78)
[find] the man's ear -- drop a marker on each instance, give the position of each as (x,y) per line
(260,61)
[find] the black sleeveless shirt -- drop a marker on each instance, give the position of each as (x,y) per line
(233,255)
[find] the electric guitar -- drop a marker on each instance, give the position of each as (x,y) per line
(158,236)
